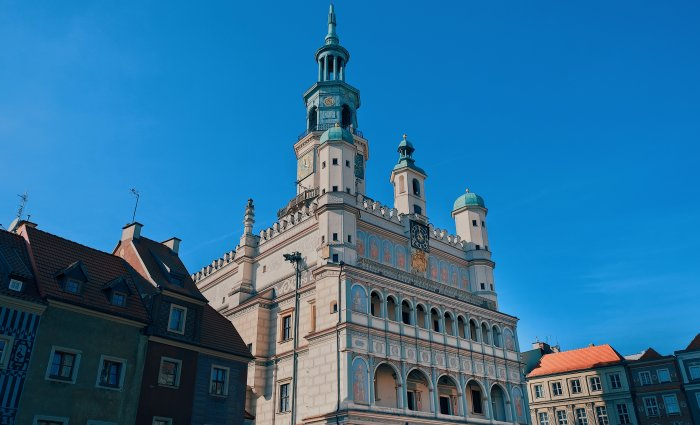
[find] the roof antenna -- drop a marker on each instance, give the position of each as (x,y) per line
(137,194)
(20,211)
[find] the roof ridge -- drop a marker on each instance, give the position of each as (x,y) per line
(33,229)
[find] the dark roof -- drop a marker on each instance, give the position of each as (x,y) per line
(163,265)
(54,256)
(583,358)
(16,264)
(650,354)
(220,334)
(694,344)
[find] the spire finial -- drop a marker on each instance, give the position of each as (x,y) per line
(404,136)
(249,218)
(331,37)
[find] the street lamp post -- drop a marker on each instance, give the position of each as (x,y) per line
(295,258)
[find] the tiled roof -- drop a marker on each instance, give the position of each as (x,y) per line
(650,354)
(583,358)
(694,344)
(220,334)
(163,264)
(52,255)
(15,263)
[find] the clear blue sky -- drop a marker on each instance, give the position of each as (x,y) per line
(578,122)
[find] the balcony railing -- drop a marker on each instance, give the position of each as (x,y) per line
(324,127)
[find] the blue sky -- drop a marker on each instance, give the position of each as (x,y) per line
(579,123)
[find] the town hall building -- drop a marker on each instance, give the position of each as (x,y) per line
(360,312)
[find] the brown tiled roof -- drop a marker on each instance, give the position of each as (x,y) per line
(220,334)
(52,254)
(15,263)
(583,358)
(694,344)
(650,354)
(162,263)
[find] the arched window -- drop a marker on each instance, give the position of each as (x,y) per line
(406,313)
(447,390)
(416,187)
(496,336)
(475,398)
(402,184)
(391,308)
(420,316)
(417,392)
(461,326)
(313,118)
(435,320)
(472,330)
(449,324)
(375,306)
(345,116)
(417,209)
(485,334)
(385,386)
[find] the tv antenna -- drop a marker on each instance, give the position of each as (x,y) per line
(137,194)
(20,211)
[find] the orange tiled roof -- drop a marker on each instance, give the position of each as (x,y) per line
(583,358)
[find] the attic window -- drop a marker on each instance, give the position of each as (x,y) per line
(72,286)
(119,299)
(176,280)
(15,285)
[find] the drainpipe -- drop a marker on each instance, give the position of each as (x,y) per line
(337,344)
(295,258)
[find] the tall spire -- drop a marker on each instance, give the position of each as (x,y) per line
(249,218)
(331,37)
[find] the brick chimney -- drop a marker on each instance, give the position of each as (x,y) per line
(131,231)
(173,243)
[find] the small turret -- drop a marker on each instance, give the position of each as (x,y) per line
(409,181)
(469,212)
(249,218)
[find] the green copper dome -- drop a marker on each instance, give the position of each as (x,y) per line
(469,199)
(337,133)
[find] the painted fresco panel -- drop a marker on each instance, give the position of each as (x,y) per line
(359,299)
(360,381)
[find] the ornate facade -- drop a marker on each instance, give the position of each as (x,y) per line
(358,312)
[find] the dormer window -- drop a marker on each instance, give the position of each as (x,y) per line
(118,299)
(72,286)
(175,280)
(15,285)
(176,320)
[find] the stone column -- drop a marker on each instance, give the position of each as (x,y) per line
(335,67)
(325,68)
(319,70)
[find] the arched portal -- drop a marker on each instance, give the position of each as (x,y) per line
(417,391)
(448,396)
(498,403)
(386,386)
(475,398)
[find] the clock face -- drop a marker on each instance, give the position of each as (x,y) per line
(329,101)
(419,236)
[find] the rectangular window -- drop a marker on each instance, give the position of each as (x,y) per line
(601,414)
(347,163)
(538,391)
(651,406)
(694,372)
(594,383)
(663,375)
(284,398)
(477,247)
(581,418)
(111,373)
(476,402)
(63,365)
(556,388)
(544,418)
(335,188)
(219,381)
(287,327)
(335,258)
(645,378)
(323,164)
(623,414)
(5,347)
(176,322)
(411,400)
(483,223)
(119,299)
(615,382)
(157,420)
(347,190)
(335,236)
(349,238)
(72,286)
(335,161)
(15,285)
(575,386)
(561,417)
(671,403)
(445,405)
(169,374)
(474,223)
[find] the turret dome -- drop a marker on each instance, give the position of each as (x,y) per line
(336,133)
(469,199)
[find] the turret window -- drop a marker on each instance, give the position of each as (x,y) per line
(474,223)
(402,184)
(346,116)
(347,163)
(335,188)
(416,187)
(335,236)
(335,161)
(323,164)
(417,209)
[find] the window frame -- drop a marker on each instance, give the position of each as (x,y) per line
(287,395)
(75,367)
(5,355)
(543,418)
(286,331)
(623,414)
(601,415)
(576,389)
(225,383)
(559,391)
(168,421)
(183,322)
(595,380)
(675,402)
(122,372)
(118,294)
(580,419)
(615,381)
(651,406)
(667,376)
(561,420)
(538,390)
(692,368)
(178,372)
(645,378)
(56,419)
(14,282)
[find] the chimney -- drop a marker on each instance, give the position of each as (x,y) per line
(173,243)
(131,231)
